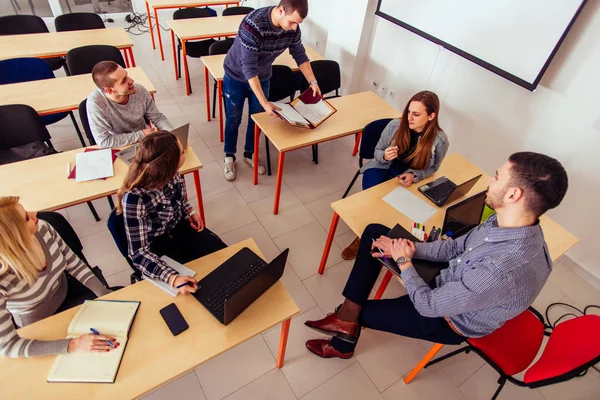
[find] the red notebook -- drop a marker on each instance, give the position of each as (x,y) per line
(114,157)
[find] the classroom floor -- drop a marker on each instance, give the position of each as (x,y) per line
(240,210)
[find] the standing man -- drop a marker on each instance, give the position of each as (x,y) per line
(263,35)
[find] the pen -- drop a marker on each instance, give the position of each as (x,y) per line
(183,284)
(68,169)
(381,252)
(95,332)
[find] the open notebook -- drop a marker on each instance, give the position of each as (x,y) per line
(180,268)
(111,318)
(306,111)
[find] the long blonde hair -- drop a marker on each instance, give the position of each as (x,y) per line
(18,250)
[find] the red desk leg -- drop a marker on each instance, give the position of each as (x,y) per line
(130,49)
(126,56)
(327,249)
(278,183)
(356,143)
(199,195)
(220,102)
(150,24)
(434,350)
(174,53)
(256,147)
(207,93)
(384,283)
(185,67)
(162,54)
(285,329)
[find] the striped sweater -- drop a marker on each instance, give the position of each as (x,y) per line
(28,304)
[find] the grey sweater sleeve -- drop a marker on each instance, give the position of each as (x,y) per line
(385,140)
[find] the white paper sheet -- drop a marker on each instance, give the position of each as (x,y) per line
(415,208)
(94,165)
(290,114)
(315,113)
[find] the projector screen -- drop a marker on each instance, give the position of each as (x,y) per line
(515,39)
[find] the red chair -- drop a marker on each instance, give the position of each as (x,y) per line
(573,347)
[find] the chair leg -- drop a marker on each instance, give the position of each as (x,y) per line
(110,202)
(452,354)
(66,68)
(189,82)
(93,210)
(214,99)
(430,354)
(501,381)
(268,151)
(315,153)
(179,60)
(351,184)
(77,129)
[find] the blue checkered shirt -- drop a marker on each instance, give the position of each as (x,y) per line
(494,275)
(149,214)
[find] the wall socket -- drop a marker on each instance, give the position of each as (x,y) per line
(318,44)
(375,85)
(392,93)
(384,90)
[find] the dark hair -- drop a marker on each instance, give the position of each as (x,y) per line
(295,5)
(101,72)
(420,157)
(543,180)
(155,164)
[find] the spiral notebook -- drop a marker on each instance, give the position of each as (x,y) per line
(180,268)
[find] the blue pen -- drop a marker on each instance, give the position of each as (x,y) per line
(95,332)
(381,252)
(183,284)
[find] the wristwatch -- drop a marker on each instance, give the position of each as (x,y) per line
(311,82)
(402,260)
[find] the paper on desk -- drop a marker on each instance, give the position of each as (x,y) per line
(315,113)
(410,205)
(94,165)
(290,114)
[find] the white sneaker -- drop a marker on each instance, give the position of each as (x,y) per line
(229,169)
(250,162)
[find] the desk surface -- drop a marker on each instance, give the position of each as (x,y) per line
(216,69)
(60,94)
(42,183)
(357,216)
(353,113)
(198,28)
(153,355)
(54,44)
(188,3)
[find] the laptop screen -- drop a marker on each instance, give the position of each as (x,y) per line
(464,216)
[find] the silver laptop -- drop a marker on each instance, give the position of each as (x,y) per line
(181,133)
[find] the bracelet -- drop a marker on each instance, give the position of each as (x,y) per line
(311,82)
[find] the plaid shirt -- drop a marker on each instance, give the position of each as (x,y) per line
(149,214)
(494,275)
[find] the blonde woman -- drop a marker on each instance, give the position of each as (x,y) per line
(33,283)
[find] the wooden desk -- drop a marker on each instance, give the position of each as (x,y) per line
(166,4)
(353,113)
(57,44)
(214,65)
(153,356)
(42,183)
(197,29)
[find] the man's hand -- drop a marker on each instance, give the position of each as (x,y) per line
(148,131)
(316,89)
(406,179)
(196,222)
(385,244)
(390,153)
(190,286)
(402,248)
(270,109)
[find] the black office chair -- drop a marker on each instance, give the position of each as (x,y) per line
(78,22)
(327,73)
(116,226)
(237,11)
(81,60)
(220,47)
(370,136)
(195,49)
(24,24)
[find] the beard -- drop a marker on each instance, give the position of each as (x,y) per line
(495,200)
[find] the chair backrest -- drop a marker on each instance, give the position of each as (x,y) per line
(327,73)
(81,60)
(192,12)
(65,230)
(282,83)
(19,125)
(21,24)
(85,122)
(237,11)
(78,22)
(370,136)
(514,345)
(116,227)
(17,70)
(220,47)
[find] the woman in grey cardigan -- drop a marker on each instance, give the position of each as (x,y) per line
(411,148)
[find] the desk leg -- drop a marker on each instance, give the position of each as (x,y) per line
(131,55)
(327,249)
(174,53)
(185,68)
(384,283)
(207,90)
(285,329)
(356,143)
(199,195)
(430,354)
(162,54)
(150,24)
(278,182)
(256,147)
(218,99)
(126,56)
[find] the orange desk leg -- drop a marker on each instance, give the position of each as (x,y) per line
(384,283)
(199,195)
(256,147)
(185,67)
(434,350)
(356,143)
(162,54)
(174,53)
(131,55)
(150,24)
(220,102)
(207,92)
(332,228)
(278,183)
(285,329)
(126,56)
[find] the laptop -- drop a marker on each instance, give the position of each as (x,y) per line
(237,283)
(461,217)
(444,191)
(182,133)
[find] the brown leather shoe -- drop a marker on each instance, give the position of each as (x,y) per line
(332,325)
(323,348)
(351,251)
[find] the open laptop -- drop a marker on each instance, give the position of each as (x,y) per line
(182,133)
(461,217)
(237,283)
(444,191)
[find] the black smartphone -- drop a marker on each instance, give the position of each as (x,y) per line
(174,319)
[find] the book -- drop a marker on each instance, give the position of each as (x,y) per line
(94,165)
(73,172)
(110,318)
(180,268)
(306,111)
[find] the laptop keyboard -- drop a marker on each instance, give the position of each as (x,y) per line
(216,302)
(441,192)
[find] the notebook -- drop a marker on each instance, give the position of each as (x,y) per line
(182,269)
(73,173)
(94,165)
(306,111)
(410,204)
(111,318)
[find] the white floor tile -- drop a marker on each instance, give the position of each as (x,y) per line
(483,384)
(186,387)
(227,211)
(350,384)
(430,384)
(310,183)
(100,249)
(270,386)
(322,211)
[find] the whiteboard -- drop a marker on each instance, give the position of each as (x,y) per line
(515,39)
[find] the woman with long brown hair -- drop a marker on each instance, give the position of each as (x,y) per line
(411,148)
(159,220)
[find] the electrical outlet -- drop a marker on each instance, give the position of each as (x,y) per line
(392,93)
(384,90)
(318,44)
(375,85)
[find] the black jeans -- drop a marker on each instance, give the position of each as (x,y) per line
(398,315)
(77,293)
